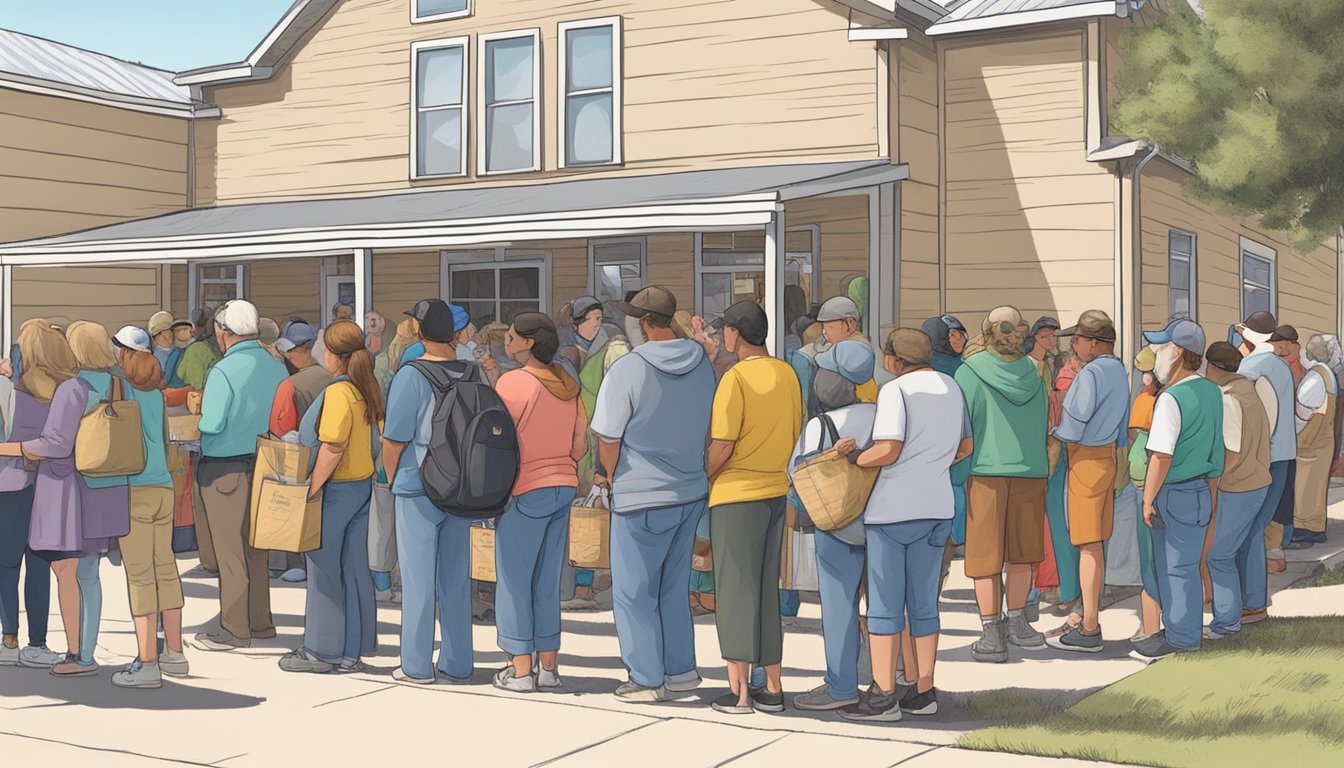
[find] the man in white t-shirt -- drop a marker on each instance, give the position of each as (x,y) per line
(921,430)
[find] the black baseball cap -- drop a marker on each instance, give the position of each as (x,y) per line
(748,319)
(436,320)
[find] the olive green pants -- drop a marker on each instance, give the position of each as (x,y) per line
(746,540)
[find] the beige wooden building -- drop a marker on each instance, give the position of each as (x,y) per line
(512,155)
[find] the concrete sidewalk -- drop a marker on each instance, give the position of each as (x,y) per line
(239,709)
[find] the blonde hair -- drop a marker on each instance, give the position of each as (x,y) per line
(681,324)
(812,333)
(92,346)
(47,359)
(408,332)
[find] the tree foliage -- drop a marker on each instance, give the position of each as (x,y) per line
(1253,94)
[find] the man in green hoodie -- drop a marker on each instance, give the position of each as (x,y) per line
(1005,522)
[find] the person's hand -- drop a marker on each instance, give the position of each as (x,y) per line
(698,324)
(6,367)
(846,446)
(602,481)
(488,363)
(1148,511)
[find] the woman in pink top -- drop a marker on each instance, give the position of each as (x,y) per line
(530,536)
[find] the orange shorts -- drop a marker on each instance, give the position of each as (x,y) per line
(1005,523)
(1090,493)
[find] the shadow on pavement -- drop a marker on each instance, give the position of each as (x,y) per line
(98,692)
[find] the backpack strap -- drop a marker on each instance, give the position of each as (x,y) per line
(830,429)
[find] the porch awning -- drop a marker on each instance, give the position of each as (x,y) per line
(439,218)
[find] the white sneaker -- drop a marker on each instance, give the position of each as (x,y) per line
(9,657)
(686,681)
(402,677)
(638,694)
(138,675)
(548,679)
(174,664)
(39,657)
(507,679)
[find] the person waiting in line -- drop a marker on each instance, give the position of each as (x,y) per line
(33,390)
(202,353)
(840,553)
(433,548)
(268,333)
(1186,457)
(1140,423)
(530,537)
(1092,429)
(1241,489)
(340,616)
(756,419)
(343,309)
(171,337)
(1005,522)
(1315,410)
(947,337)
(922,428)
(152,578)
(463,340)
(651,423)
(235,408)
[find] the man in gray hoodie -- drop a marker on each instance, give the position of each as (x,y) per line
(652,425)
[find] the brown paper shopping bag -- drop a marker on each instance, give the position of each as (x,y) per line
(282,518)
(482,553)
(590,531)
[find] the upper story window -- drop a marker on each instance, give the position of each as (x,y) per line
(590,91)
(1259,278)
(438,10)
(1180,274)
(508,122)
(439,91)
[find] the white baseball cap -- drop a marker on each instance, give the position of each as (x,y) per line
(131,337)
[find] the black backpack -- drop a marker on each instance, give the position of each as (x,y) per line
(472,461)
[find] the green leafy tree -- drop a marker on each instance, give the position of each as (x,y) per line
(1252,92)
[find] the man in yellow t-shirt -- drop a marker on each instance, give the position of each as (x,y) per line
(755,421)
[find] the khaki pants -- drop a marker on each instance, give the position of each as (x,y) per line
(244,589)
(205,548)
(147,552)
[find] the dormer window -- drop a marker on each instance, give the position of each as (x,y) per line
(438,10)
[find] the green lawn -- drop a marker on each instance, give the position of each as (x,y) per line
(1327,579)
(1275,695)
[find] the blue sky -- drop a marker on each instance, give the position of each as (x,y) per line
(170,34)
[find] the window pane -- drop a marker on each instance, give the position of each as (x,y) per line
(521,283)
(439,134)
(212,296)
(219,273)
(440,77)
(730,259)
(1178,302)
(798,241)
(508,70)
(588,129)
(508,137)
(1180,243)
(1255,269)
(473,284)
(589,63)
(482,313)
(508,310)
(613,253)
(1254,299)
(435,7)
(716,294)
(1178,274)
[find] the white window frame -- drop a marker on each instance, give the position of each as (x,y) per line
(1263,252)
(416,18)
(433,45)
(1194,266)
(617,96)
(701,269)
(496,259)
(196,281)
(482,64)
(593,244)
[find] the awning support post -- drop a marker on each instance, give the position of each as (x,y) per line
(774,281)
(363,283)
(7,297)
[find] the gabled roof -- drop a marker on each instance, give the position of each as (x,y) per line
(983,15)
(43,66)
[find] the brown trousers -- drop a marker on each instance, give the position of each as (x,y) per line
(244,589)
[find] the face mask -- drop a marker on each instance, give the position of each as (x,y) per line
(1168,355)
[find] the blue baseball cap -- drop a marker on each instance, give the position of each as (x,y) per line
(296,334)
(851,358)
(460,317)
(1185,334)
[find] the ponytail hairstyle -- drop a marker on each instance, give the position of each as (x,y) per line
(142,369)
(345,340)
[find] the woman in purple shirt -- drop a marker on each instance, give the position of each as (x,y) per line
(49,377)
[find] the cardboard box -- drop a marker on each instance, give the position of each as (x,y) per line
(184,429)
(282,518)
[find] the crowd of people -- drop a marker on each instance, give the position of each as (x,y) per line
(1020,450)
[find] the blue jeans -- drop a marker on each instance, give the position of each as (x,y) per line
(1251,564)
(650,568)
(1177,548)
(1066,554)
(905,563)
(839,574)
(434,553)
(1147,568)
(529,553)
(959,514)
(16,512)
(340,616)
(1236,517)
(90,604)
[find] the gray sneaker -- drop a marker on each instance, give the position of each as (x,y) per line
(1021,633)
(174,664)
(1077,641)
(819,699)
(39,657)
(549,679)
(992,647)
(635,693)
(301,661)
(223,640)
(139,675)
(507,679)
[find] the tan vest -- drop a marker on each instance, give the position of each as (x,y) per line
(1250,471)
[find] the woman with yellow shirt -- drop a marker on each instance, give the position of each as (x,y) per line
(340,620)
(755,420)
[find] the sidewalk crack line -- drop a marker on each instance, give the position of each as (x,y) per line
(587,747)
(737,757)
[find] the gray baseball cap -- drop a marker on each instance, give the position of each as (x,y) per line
(838,308)
(1185,334)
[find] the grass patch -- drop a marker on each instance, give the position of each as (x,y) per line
(1330,578)
(1275,694)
